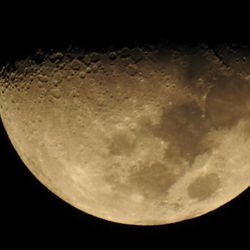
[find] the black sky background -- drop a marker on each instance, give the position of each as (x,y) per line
(28,209)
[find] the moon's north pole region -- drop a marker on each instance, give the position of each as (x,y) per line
(140,135)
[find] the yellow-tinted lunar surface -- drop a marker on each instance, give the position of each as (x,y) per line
(135,136)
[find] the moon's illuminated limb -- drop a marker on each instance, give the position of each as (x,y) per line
(133,136)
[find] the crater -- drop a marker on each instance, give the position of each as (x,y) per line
(226,103)
(204,187)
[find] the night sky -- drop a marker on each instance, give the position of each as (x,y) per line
(28,209)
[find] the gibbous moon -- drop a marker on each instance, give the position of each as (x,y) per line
(143,136)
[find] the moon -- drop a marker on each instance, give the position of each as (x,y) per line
(139,135)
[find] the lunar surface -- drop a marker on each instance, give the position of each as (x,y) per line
(143,136)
